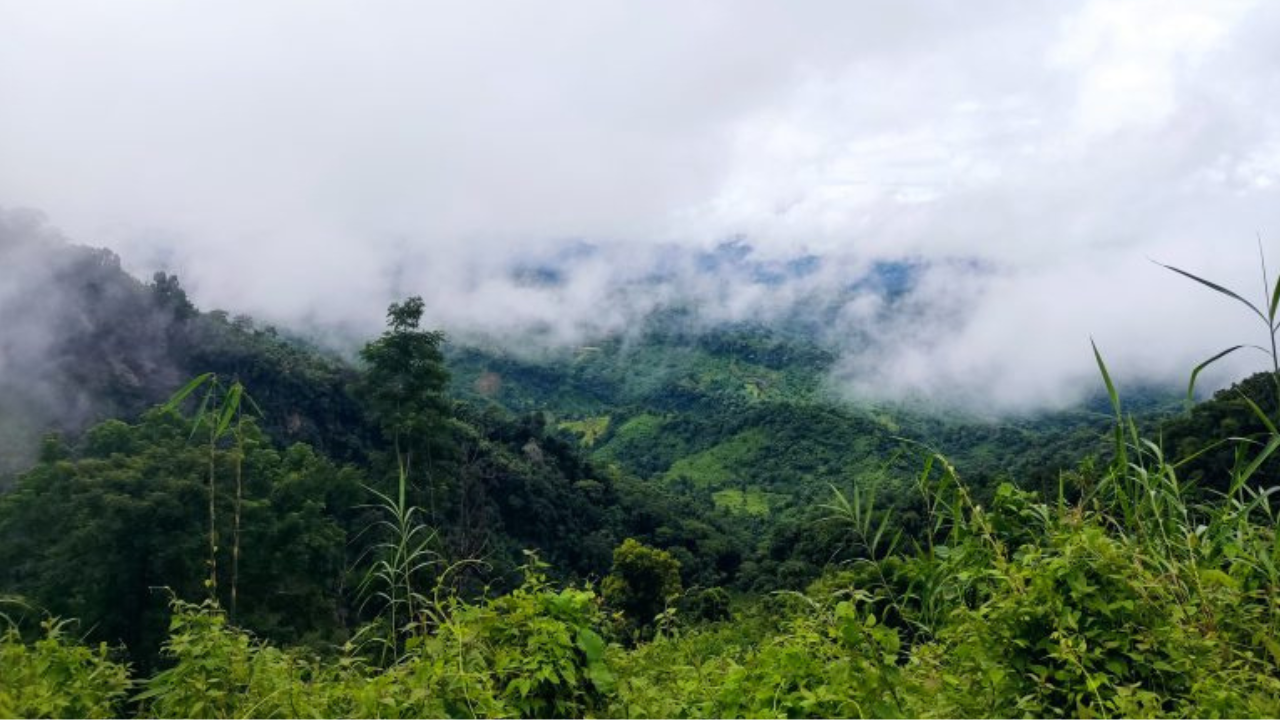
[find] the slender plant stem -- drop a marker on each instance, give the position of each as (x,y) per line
(235,542)
(213,526)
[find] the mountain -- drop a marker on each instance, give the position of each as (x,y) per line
(623,512)
(726,425)
(91,351)
(743,413)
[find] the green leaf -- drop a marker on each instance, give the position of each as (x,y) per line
(1217,287)
(230,405)
(1272,647)
(592,645)
(1191,386)
(1275,300)
(186,390)
(1257,462)
(601,677)
(1106,379)
(1261,415)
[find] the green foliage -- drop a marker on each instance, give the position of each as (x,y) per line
(404,381)
(57,677)
(217,410)
(709,605)
(403,392)
(674,391)
(535,652)
(589,429)
(1142,581)
(542,648)
(751,502)
(1129,602)
(643,582)
(219,672)
(715,466)
(759,466)
(1083,629)
(405,561)
(94,536)
(824,658)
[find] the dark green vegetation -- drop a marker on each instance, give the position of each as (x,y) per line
(681,523)
(737,419)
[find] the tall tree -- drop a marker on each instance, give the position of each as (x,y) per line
(404,390)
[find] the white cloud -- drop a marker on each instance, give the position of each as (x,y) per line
(310,161)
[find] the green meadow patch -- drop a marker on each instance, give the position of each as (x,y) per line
(751,502)
(587,429)
(720,464)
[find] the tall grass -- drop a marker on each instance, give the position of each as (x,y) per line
(1268,313)
(396,578)
(1145,595)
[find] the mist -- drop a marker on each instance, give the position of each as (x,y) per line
(557,171)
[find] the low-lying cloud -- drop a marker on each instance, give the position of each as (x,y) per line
(562,169)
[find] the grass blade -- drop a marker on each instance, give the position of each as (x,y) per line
(1106,379)
(1215,286)
(1191,386)
(1261,415)
(1257,461)
(1275,300)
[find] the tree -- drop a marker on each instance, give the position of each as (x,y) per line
(642,581)
(404,388)
(168,294)
(96,535)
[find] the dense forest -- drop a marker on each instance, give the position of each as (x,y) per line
(205,517)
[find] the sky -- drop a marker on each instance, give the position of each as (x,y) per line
(309,161)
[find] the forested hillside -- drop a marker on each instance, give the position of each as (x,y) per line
(685,521)
(741,418)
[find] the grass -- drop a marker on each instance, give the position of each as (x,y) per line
(589,430)
(406,580)
(720,464)
(751,502)
(639,427)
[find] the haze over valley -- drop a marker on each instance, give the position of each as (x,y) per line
(568,359)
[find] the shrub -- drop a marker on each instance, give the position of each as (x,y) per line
(54,677)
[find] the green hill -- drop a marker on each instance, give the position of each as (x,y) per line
(454,529)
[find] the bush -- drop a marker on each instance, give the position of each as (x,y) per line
(56,678)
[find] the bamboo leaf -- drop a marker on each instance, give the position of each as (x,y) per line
(1257,461)
(1261,415)
(257,411)
(1191,386)
(1206,449)
(231,403)
(1106,379)
(176,399)
(1219,288)
(200,411)
(1275,300)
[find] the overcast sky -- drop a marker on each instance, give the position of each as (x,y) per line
(307,161)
